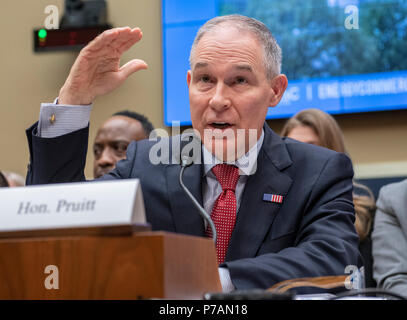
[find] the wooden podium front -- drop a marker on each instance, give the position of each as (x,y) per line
(142,266)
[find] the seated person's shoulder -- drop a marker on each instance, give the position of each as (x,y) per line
(394,189)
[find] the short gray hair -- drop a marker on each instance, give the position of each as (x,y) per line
(272,51)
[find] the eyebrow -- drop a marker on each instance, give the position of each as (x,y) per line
(200,65)
(111,142)
(244,67)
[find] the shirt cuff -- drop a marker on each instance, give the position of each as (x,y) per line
(225,281)
(59,119)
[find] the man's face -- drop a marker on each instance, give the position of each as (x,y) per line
(229,90)
(111,142)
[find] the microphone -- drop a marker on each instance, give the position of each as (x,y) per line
(186,161)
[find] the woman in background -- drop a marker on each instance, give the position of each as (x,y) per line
(318,127)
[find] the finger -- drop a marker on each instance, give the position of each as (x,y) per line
(125,34)
(101,39)
(132,66)
(127,42)
(119,41)
(113,38)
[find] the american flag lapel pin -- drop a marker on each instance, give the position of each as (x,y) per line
(269,197)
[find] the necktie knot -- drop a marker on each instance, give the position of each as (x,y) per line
(227,175)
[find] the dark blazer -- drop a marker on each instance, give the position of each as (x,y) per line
(311,233)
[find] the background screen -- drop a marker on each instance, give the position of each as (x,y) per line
(329,66)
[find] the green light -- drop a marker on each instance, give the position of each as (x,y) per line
(42,33)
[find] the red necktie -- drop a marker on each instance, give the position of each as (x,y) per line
(224,210)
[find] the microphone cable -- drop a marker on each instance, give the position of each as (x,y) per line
(186,161)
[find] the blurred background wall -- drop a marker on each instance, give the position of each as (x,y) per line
(377,142)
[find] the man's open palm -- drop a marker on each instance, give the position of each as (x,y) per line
(97,69)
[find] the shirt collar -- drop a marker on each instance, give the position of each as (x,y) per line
(246,163)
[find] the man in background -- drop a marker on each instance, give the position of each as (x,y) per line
(114,136)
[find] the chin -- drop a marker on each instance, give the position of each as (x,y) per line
(100,174)
(226,150)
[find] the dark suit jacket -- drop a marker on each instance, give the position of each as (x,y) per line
(310,234)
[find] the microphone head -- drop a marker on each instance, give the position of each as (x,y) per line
(186,160)
(190,149)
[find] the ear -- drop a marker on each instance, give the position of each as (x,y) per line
(277,87)
(189,77)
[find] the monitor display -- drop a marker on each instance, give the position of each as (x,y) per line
(341,56)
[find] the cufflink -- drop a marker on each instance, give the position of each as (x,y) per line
(52,118)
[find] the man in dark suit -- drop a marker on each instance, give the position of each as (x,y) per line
(288,214)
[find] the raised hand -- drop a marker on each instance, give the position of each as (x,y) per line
(97,70)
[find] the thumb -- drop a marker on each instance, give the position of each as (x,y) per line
(132,66)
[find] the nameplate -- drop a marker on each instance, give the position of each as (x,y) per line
(87,208)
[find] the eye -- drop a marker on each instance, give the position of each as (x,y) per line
(97,151)
(241,80)
(120,148)
(205,79)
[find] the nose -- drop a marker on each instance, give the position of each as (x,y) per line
(106,159)
(220,99)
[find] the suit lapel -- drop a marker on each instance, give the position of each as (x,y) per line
(186,217)
(256,216)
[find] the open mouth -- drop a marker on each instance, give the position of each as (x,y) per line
(220,125)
